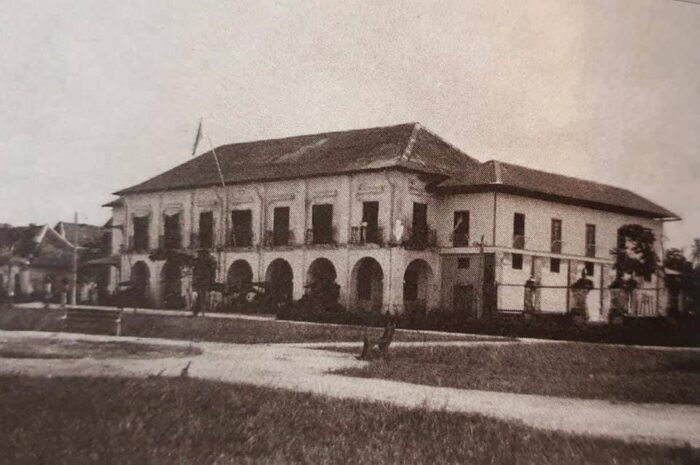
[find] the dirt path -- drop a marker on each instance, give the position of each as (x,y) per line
(304,368)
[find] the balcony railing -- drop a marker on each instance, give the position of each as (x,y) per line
(364,235)
(590,250)
(518,241)
(170,241)
(460,240)
(278,238)
(239,239)
(315,238)
(199,242)
(137,244)
(421,238)
(556,246)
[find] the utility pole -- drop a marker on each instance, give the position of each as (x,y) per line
(74,290)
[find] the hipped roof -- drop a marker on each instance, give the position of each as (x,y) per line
(410,147)
(506,177)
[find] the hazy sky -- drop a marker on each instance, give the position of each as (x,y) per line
(99,95)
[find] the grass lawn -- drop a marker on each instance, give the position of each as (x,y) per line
(173,421)
(60,348)
(564,370)
(214,329)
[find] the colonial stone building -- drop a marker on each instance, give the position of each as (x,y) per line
(397,216)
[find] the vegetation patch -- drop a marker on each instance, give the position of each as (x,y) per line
(683,331)
(166,421)
(240,331)
(566,370)
(63,348)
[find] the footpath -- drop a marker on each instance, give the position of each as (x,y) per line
(308,368)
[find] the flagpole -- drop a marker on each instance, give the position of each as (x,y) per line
(74,291)
(224,200)
(216,159)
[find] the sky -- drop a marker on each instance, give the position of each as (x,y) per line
(96,96)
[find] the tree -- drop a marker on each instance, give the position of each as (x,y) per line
(688,281)
(695,253)
(635,254)
(203,272)
(675,260)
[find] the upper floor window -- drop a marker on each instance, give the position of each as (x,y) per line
(206,230)
(517,262)
(519,231)
(241,228)
(369,230)
(556,244)
(554,265)
(141,237)
(460,230)
(322,223)
(590,240)
(172,238)
(419,222)
(280,226)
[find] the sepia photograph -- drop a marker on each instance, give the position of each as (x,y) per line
(350,232)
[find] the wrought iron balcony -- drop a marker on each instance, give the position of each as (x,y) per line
(365,235)
(460,240)
(278,238)
(518,241)
(138,244)
(590,250)
(556,246)
(170,241)
(421,238)
(239,238)
(319,237)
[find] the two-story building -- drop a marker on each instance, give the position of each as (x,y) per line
(398,217)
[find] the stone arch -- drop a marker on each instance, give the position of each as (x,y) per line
(418,287)
(239,274)
(171,285)
(280,279)
(367,285)
(140,283)
(321,288)
(321,270)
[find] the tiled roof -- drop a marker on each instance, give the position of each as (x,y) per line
(85,234)
(507,177)
(409,146)
(406,146)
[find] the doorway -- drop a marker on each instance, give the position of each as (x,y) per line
(463,300)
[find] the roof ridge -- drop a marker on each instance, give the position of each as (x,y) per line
(497,172)
(575,178)
(446,142)
(298,136)
(406,154)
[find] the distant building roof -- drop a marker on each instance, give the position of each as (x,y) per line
(38,246)
(506,177)
(86,235)
(406,146)
(409,146)
(114,203)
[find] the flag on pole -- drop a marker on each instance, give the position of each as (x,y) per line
(197,138)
